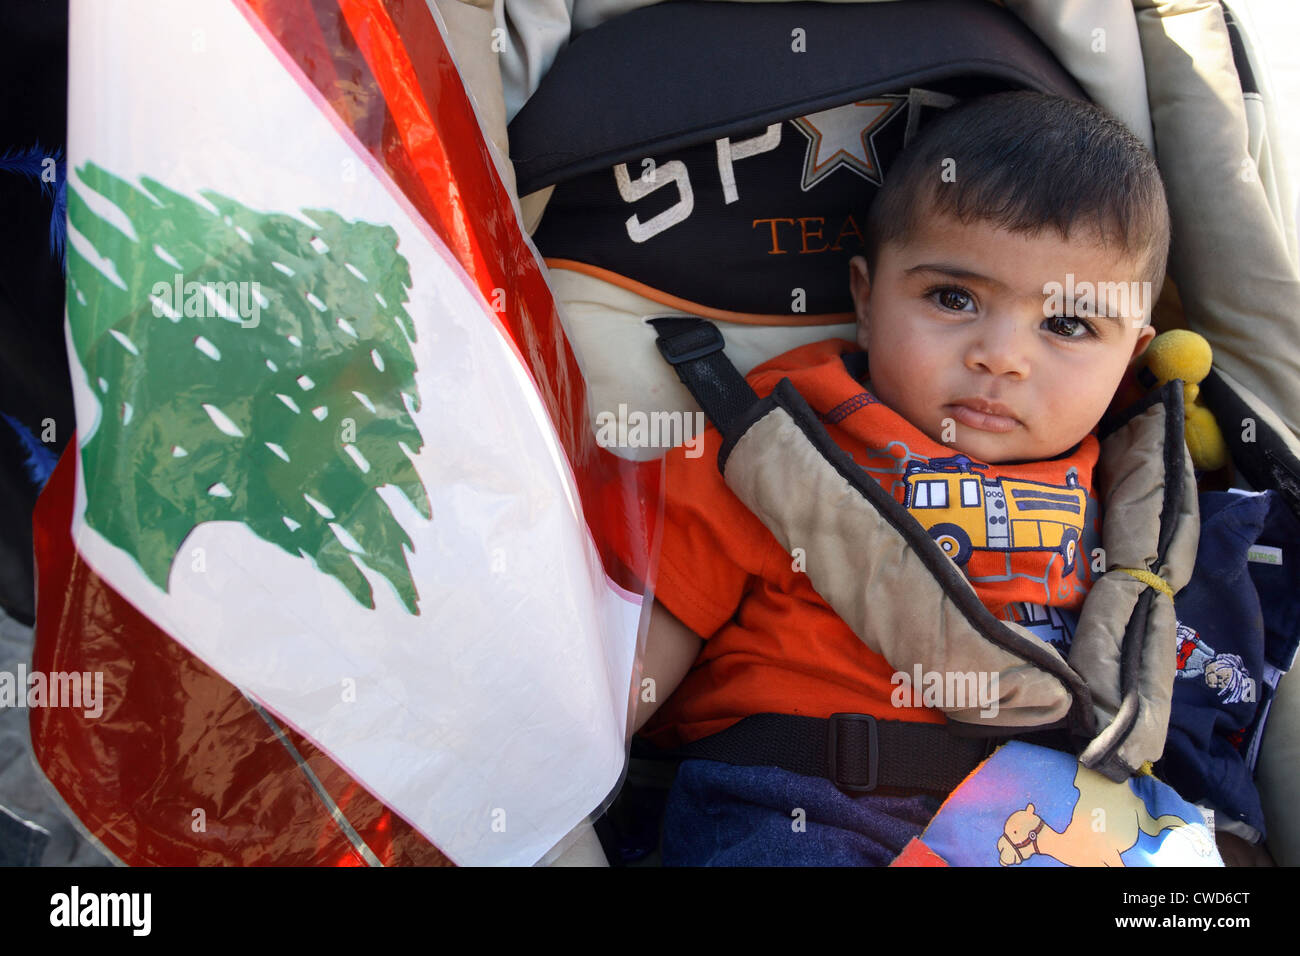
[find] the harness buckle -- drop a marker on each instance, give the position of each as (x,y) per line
(684,340)
(852,752)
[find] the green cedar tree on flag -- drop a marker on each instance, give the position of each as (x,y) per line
(287,418)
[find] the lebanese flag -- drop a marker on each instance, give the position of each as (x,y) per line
(334,529)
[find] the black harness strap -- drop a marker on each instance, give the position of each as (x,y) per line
(856,752)
(693,348)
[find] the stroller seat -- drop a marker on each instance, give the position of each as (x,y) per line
(734,206)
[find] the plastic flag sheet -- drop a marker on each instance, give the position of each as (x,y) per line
(333,529)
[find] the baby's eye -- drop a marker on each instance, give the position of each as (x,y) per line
(953,299)
(1068,327)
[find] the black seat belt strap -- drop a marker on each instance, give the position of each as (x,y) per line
(856,752)
(694,349)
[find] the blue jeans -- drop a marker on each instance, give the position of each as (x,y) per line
(21,843)
(723,815)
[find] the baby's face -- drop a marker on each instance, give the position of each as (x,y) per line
(965,342)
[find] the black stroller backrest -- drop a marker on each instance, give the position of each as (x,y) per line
(723,163)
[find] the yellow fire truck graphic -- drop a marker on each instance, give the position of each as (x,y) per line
(964,510)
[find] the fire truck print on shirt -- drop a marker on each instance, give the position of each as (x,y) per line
(964,510)
(1039,528)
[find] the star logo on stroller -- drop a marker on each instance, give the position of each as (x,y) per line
(843,137)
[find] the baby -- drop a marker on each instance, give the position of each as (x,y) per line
(1006,287)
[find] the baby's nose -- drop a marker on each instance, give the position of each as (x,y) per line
(1000,347)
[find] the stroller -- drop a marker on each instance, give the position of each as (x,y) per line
(695,167)
(616,276)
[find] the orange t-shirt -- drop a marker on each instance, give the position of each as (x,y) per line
(772,645)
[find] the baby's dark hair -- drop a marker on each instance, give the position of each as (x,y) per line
(1024,161)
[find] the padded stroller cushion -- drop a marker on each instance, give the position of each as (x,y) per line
(1125,644)
(607,320)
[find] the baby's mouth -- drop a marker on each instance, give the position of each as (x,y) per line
(983,415)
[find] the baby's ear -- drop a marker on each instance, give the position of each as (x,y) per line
(860,286)
(1145,335)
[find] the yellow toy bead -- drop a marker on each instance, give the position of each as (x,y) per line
(1179,353)
(1204,440)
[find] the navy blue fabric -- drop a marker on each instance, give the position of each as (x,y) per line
(1279,586)
(21,843)
(723,815)
(1239,624)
